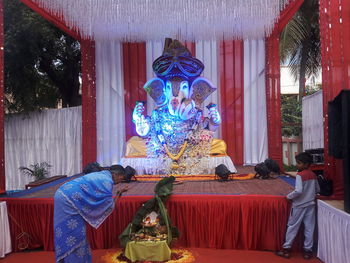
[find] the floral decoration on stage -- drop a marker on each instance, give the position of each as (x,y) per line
(177,131)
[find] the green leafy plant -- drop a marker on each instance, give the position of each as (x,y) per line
(291,115)
(38,170)
(290,168)
(300,45)
(42,63)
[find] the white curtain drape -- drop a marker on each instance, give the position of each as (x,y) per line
(153,51)
(312,112)
(109,102)
(5,240)
(52,136)
(255,121)
(207,52)
(333,234)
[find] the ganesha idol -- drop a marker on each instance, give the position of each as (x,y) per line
(177,137)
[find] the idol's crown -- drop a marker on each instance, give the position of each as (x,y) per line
(177,61)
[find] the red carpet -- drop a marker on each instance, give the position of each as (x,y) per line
(201,255)
(245,187)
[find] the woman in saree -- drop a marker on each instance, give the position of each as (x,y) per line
(88,199)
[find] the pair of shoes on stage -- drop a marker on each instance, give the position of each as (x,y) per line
(285,253)
(307,254)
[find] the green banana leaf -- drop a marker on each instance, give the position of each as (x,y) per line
(163,190)
(164,187)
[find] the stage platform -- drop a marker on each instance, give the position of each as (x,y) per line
(246,214)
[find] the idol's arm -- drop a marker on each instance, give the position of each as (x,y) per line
(141,122)
(214,119)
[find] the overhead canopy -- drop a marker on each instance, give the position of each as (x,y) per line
(149,20)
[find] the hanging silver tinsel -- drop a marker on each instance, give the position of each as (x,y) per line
(150,20)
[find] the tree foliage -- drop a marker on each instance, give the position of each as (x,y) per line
(291,115)
(42,63)
(300,43)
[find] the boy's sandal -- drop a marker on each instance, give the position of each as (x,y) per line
(307,255)
(283,253)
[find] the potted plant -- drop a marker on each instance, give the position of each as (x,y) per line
(38,170)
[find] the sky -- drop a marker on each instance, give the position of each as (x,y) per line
(289,86)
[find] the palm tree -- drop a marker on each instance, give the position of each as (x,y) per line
(300,43)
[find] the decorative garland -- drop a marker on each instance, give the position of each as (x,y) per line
(178,156)
(175,158)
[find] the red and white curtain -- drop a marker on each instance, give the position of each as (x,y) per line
(154,49)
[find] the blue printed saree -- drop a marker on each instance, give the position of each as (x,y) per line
(85,199)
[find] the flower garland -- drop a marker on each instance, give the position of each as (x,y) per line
(175,158)
(181,152)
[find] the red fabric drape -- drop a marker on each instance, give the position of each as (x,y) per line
(231,222)
(33,217)
(287,14)
(89,137)
(134,65)
(232,99)
(273,89)
(191,47)
(335,42)
(58,21)
(2,135)
(273,100)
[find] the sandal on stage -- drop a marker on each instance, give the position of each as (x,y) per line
(307,254)
(285,253)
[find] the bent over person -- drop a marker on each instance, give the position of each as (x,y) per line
(85,199)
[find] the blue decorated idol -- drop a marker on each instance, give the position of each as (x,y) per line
(177,129)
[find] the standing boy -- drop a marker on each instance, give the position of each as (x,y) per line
(303,206)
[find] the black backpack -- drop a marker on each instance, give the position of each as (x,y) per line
(326,185)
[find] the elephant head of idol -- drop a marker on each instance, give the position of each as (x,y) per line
(178,85)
